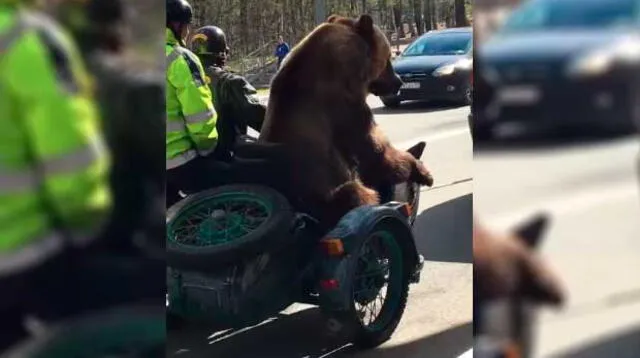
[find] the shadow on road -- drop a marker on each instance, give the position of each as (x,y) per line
(416,107)
(444,231)
(623,345)
(302,335)
(544,139)
(446,344)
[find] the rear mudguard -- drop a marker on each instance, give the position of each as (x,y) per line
(358,223)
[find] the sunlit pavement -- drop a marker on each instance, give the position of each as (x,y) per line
(438,316)
(591,191)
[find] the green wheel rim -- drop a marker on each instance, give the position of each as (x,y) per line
(131,337)
(221,219)
(377,286)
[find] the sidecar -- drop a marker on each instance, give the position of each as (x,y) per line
(239,254)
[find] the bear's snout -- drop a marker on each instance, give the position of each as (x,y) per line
(387,84)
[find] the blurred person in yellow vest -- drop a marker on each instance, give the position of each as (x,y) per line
(54,192)
(130,90)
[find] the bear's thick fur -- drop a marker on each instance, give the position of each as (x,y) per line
(317,108)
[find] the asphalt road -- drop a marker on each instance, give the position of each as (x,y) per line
(590,187)
(437,322)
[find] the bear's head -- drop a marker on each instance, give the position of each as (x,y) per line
(508,265)
(382,79)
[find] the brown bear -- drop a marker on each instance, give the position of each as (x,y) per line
(507,265)
(317,109)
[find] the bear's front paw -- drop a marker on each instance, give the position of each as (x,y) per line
(422,176)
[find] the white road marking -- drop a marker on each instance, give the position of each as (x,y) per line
(580,201)
(467,354)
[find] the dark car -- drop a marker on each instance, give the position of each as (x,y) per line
(561,63)
(436,66)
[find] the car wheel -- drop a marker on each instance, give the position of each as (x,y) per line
(393,102)
(481,132)
(467,95)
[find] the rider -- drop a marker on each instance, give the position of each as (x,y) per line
(191,117)
(54,167)
(236,100)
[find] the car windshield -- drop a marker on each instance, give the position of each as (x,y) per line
(444,44)
(566,14)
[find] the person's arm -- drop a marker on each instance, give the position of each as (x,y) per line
(61,125)
(187,77)
(246,102)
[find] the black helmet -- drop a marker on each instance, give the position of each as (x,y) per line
(209,40)
(179,11)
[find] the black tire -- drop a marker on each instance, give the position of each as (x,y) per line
(92,336)
(266,237)
(348,320)
(174,322)
(481,133)
(392,102)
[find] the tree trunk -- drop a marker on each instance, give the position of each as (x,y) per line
(397,18)
(417,16)
(426,14)
(244,31)
(364,6)
(460,14)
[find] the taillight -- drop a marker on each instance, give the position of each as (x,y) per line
(332,247)
(330,284)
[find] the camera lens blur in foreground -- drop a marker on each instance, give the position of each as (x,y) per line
(82,272)
(555,120)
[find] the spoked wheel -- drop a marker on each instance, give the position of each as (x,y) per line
(221,226)
(378,287)
(124,333)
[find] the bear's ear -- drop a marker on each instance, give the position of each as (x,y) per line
(532,231)
(365,24)
(333,18)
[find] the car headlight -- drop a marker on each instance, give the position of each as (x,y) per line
(600,62)
(595,64)
(445,70)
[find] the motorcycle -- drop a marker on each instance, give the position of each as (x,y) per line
(241,253)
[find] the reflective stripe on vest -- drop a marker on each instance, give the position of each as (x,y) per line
(181,159)
(177,124)
(16,180)
(36,251)
(185,157)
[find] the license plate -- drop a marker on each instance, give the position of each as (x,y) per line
(522,95)
(410,85)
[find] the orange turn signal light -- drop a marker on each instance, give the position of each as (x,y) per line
(406,209)
(512,351)
(332,247)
